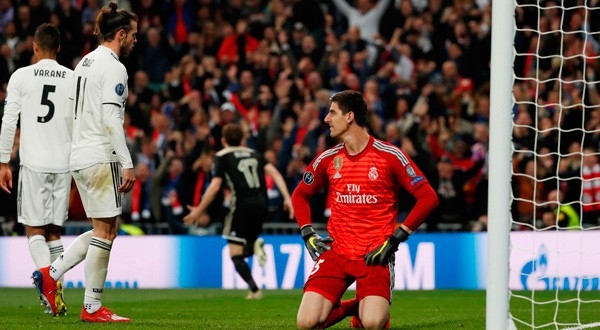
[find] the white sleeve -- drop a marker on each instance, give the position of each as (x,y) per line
(113,123)
(12,109)
(69,116)
(114,85)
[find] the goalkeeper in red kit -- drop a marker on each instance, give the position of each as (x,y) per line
(364,176)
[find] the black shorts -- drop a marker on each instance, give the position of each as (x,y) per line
(243,225)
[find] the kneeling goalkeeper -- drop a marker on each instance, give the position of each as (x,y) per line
(364,176)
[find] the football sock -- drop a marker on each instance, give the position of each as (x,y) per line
(244,270)
(56,249)
(92,306)
(39,251)
(340,311)
(72,255)
(96,267)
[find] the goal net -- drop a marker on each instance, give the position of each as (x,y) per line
(543,239)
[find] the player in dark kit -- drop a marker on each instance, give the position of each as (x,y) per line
(244,170)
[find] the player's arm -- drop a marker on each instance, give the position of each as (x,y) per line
(69,116)
(310,184)
(209,196)
(413,180)
(272,171)
(113,126)
(12,109)
(427,201)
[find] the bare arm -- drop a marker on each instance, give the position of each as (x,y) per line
(208,197)
(281,185)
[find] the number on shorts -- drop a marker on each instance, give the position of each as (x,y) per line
(317,266)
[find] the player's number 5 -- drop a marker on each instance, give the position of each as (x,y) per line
(317,266)
(46,101)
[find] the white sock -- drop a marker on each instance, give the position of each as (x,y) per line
(96,268)
(39,251)
(72,255)
(56,249)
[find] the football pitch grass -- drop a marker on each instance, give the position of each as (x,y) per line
(227,309)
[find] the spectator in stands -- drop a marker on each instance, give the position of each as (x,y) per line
(7,14)
(71,31)
(140,203)
(558,214)
(237,48)
(155,58)
(590,189)
(367,16)
(452,213)
(179,22)
(528,190)
(165,180)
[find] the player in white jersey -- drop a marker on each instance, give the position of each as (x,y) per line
(38,94)
(100,162)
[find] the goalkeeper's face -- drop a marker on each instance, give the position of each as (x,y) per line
(338,121)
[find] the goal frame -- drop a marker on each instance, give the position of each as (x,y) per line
(500,150)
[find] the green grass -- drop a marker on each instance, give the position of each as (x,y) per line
(227,309)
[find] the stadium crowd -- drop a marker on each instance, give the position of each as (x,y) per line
(422,66)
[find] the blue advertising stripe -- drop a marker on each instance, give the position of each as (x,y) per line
(204,262)
(455,262)
(199,261)
(456,256)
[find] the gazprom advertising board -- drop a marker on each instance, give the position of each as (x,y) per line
(424,262)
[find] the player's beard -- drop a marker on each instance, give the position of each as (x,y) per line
(126,48)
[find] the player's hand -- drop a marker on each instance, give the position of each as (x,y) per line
(192,218)
(382,255)
(287,206)
(128,180)
(315,244)
(5,178)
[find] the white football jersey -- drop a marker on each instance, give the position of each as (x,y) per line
(38,93)
(99,79)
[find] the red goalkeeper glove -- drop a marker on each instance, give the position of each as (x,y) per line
(315,244)
(382,255)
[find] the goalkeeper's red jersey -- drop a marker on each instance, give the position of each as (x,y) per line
(364,194)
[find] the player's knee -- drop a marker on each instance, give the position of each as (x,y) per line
(373,322)
(303,322)
(310,318)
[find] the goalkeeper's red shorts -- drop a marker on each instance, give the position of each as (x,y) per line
(333,274)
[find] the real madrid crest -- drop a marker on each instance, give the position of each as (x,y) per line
(373,175)
(337,165)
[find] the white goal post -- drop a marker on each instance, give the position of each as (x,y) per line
(501,103)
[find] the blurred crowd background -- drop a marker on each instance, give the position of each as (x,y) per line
(423,67)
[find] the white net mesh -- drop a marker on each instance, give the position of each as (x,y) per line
(555,244)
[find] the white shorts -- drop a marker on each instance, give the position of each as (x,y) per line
(42,198)
(98,185)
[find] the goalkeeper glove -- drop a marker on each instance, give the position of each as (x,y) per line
(383,253)
(315,244)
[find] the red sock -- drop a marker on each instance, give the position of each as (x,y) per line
(340,311)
